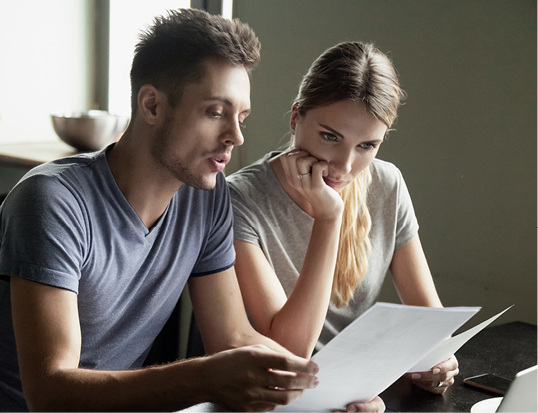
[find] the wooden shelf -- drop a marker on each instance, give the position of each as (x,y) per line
(31,154)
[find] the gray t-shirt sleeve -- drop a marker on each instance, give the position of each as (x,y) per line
(43,240)
(218,253)
(407,224)
(245,222)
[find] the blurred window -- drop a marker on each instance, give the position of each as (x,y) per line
(44,66)
(52,55)
(127,19)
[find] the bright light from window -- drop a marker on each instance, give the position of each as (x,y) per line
(44,65)
(227,8)
(127,19)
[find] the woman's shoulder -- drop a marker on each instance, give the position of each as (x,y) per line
(254,177)
(385,172)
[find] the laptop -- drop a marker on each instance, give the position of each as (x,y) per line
(520,397)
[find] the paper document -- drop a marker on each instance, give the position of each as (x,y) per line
(449,346)
(381,345)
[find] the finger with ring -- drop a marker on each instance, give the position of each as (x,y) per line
(301,176)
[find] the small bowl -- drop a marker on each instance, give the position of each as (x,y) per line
(89,131)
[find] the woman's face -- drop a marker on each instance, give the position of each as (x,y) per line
(343,134)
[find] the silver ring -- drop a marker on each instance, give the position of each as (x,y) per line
(301,176)
(440,384)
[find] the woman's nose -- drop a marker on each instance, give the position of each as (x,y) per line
(342,164)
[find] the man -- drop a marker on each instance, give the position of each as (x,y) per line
(95,249)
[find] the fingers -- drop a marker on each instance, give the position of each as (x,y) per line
(299,164)
(374,405)
(302,159)
(436,387)
(439,378)
(256,378)
(305,175)
(290,371)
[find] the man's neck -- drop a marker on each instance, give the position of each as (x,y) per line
(142,183)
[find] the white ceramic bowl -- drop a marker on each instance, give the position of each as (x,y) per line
(89,131)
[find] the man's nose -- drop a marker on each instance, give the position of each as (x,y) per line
(234,136)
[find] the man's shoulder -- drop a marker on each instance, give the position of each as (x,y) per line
(60,183)
(64,169)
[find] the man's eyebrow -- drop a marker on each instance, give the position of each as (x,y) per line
(227,102)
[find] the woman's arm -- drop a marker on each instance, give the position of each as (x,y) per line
(412,277)
(295,321)
(414,283)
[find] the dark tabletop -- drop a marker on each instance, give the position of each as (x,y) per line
(502,350)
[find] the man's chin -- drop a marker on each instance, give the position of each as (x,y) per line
(204,184)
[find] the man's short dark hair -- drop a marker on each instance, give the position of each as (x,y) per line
(172,51)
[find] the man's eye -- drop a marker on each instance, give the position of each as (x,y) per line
(214,114)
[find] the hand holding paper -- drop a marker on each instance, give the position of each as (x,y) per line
(379,347)
(447,347)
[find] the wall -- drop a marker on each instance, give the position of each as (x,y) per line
(9,176)
(465,139)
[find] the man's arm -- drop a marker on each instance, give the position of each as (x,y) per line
(48,338)
(221,316)
(47,332)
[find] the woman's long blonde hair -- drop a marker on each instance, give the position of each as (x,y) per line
(358,72)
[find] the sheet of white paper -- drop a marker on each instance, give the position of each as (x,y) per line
(374,351)
(447,347)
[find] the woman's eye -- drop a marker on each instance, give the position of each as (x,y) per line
(367,146)
(329,137)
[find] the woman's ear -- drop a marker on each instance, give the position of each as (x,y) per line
(294,116)
(151,104)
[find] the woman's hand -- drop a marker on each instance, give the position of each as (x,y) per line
(439,378)
(304,173)
(374,405)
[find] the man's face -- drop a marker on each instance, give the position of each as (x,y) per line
(196,140)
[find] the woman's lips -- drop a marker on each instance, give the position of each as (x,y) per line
(334,183)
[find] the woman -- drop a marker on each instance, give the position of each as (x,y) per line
(318,226)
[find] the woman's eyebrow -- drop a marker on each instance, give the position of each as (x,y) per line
(332,130)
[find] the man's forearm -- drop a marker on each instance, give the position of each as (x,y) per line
(162,388)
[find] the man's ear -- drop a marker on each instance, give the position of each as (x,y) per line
(152,104)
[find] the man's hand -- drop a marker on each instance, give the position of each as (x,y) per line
(256,378)
(439,378)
